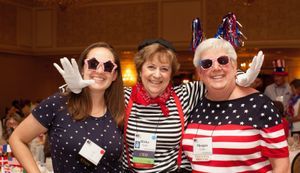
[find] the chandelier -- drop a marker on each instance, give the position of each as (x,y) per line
(61,4)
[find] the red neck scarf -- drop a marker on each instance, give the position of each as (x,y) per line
(139,95)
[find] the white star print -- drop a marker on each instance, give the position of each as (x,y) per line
(270,118)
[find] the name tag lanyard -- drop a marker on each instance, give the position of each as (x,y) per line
(148,137)
(88,140)
(202,146)
(181,116)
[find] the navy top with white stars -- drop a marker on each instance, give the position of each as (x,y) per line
(67,136)
(255,110)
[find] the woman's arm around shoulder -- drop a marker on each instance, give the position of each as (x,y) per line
(23,134)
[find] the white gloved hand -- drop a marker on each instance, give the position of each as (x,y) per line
(246,79)
(71,75)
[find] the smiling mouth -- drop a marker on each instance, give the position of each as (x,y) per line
(218,77)
(98,78)
(156,82)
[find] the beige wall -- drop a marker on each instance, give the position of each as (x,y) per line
(26,77)
(31,36)
(125,23)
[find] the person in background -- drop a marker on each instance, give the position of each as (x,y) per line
(83,129)
(157,112)
(14,108)
(293,110)
(285,123)
(11,122)
(280,90)
(258,84)
(25,106)
(232,129)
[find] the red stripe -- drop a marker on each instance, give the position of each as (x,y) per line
(237,151)
(273,128)
(275,140)
(231,163)
(275,153)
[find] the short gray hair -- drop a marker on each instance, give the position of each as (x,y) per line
(214,43)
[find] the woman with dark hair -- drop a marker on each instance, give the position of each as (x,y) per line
(83,128)
(11,122)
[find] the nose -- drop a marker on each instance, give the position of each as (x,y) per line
(157,73)
(100,68)
(215,65)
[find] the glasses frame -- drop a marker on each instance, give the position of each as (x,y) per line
(212,61)
(100,64)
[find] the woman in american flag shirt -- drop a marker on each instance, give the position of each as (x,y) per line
(232,129)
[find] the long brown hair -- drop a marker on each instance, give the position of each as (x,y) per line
(80,105)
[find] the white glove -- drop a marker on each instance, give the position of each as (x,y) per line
(247,78)
(71,75)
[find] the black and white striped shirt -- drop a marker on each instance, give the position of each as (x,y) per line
(150,119)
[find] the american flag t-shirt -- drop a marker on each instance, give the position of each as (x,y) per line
(245,133)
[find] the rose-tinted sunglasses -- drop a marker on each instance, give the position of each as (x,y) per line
(207,63)
(107,66)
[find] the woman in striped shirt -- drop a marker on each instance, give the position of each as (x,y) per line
(157,112)
(232,129)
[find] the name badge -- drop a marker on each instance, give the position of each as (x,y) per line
(91,152)
(202,149)
(144,148)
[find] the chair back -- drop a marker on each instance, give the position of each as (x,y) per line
(296,164)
